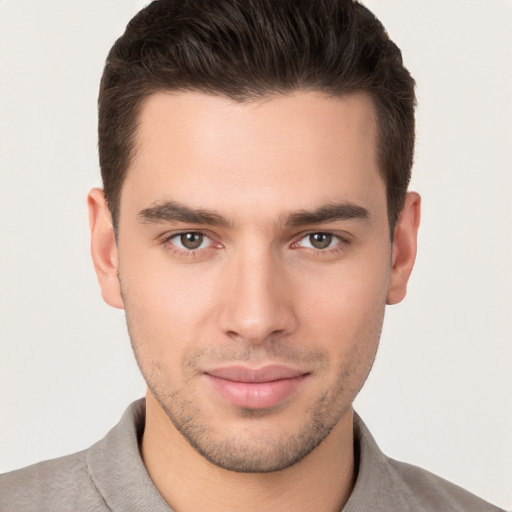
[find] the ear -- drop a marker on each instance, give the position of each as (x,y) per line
(104,248)
(404,247)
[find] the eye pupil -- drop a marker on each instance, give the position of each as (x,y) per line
(320,240)
(191,240)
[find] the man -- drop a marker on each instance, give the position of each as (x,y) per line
(254,223)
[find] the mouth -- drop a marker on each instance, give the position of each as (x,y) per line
(259,388)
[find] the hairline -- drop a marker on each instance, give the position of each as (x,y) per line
(252,97)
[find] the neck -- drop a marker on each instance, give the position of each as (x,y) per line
(322,481)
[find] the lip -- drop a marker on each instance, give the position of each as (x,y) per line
(258,388)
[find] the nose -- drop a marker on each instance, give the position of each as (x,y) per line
(258,301)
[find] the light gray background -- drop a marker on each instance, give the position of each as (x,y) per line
(440,392)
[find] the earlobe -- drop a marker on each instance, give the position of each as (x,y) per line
(404,248)
(104,248)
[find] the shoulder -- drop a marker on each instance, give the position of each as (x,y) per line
(52,485)
(385,484)
(431,492)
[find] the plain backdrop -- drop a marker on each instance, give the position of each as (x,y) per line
(440,394)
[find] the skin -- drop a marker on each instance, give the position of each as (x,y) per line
(260,289)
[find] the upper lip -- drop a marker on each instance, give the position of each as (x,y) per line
(267,373)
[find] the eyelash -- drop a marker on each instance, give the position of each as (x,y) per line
(342,244)
(189,253)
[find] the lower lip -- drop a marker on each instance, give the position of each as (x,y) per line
(256,395)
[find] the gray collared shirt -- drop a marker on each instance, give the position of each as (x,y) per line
(111,476)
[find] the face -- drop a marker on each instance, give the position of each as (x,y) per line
(254,262)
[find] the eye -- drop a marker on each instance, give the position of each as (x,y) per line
(190,241)
(319,241)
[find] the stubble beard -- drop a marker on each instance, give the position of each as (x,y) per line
(248,455)
(259,453)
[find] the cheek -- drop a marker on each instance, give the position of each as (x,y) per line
(172,308)
(346,305)
(166,308)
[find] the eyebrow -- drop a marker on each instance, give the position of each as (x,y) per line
(171,211)
(328,213)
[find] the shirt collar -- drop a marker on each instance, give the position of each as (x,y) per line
(377,487)
(118,471)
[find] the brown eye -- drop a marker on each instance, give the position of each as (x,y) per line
(192,240)
(320,240)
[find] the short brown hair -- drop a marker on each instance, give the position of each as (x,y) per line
(247,49)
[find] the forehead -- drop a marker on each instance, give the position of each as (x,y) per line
(296,150)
